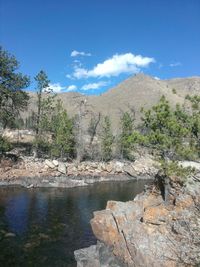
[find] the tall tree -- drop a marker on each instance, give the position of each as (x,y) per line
(79,127)
(62,133)
(107,139)
(127,126)
(195,121)
(45,107)
(172,132)
(12,97)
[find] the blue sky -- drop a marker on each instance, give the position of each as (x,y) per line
(91,45)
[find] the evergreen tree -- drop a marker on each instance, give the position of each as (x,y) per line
(45,109)
(107,139)
(12,97)
(126,132)
(167,130)
(195,122)
(62,133)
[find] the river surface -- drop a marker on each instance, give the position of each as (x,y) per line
(42,227)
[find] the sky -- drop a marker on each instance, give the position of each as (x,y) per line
(90,46)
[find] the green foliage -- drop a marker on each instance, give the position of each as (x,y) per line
(107,139)
(174,91)
(45,103)
(12,97)
(172,168)
(4,145)
(126,135)
(167,130)
(194,122)
(45,110)
(138,138)
(62,133)
(43,145)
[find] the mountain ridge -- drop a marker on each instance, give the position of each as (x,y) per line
(135,92)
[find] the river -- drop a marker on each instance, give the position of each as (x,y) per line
(42,227)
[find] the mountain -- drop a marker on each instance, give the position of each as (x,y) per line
(135,92)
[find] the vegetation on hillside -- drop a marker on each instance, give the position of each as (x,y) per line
(169,133)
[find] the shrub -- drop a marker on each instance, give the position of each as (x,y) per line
(4,145)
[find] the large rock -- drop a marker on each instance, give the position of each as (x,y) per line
(97,256)
(109,167)
(119,167)
(49,163)
(55,162)
(147,231)
(129,170)
(191,164)
(62,168)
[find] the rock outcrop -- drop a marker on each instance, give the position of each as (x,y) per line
(147,231)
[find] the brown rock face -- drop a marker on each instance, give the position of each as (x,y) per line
(148,232)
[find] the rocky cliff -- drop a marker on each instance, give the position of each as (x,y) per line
(147,231)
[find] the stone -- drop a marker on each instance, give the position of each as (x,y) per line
(147,232)
(10,235)
(109,167)
(119,167)
(62,168)
(49,164)
(103,166)
(30,186)
(71,170)
(98,255)
(129,170)
(87,257)
(191,164)
(55,162)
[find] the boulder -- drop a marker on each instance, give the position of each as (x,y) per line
(129,170)
(97,256)
(71,170)
(55,162)
(62,168)
(118,167)
(49,163)
(147,231)
(109,167)
(191,164)
(87,257)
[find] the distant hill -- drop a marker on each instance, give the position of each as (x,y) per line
(135,92)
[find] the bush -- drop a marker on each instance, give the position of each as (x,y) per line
(4,145)
(42,146)
(172,168)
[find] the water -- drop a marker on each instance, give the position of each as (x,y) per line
(43,227)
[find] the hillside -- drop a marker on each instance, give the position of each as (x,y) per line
(135,92)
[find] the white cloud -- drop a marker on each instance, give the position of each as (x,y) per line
(76,53)
(156,78)
(55,87)
(114,66)
(175,64)
(90,86)
(69,76)
(71,88)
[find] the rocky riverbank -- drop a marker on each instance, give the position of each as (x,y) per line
(30,172)
(148,231)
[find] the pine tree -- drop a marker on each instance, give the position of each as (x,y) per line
(62,133)
(45,108)
(12,97)
(127,126)
(107,139)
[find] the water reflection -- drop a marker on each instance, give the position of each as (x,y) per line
(50,224)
